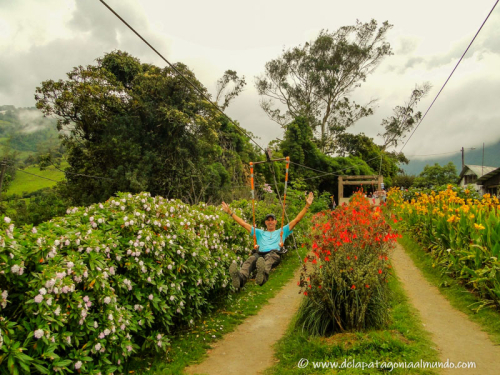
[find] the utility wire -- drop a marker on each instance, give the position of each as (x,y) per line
(413,132)
(46,178)
(180,74)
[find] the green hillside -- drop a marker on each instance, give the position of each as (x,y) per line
(26,182)
(474,157)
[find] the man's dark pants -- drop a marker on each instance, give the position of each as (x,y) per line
(272,259)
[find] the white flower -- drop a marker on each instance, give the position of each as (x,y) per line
(169,266)
(49,302)
(150,297)
(39,298)
(172,298)
(7,219)
(95,324)
(107,300)
(97,347)
(43,291)
(78,365)
(107,332)
(57,242)
(38,333)
(110,317)
(70,264)
(33,230)
(15,269)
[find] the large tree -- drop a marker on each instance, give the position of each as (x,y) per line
(141,128)
(404,118)
(314,81)
(437,175)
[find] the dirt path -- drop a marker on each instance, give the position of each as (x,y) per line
(456,337)
(248,350)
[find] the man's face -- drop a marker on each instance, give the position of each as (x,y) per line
(270,224)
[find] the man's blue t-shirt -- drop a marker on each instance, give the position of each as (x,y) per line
(270,240)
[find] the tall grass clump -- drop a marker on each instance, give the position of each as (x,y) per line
(345,278)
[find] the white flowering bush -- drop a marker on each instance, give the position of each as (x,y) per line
(83,292)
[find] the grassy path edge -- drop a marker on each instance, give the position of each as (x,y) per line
(459,297)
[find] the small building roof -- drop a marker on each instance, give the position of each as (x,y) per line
(478,170)
(488,175)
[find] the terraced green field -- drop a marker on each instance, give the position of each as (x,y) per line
(31,179)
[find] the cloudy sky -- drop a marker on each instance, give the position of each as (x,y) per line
(42,40)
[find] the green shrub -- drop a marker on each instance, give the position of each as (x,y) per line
(85,291)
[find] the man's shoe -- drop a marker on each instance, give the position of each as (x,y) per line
(234,272)
(261,271)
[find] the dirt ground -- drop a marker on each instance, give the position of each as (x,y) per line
(456,337)
(248,350)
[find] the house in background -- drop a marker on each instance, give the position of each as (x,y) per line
(480,177)
(490,182)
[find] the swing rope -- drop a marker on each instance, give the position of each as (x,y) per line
(284,203)
(255,246)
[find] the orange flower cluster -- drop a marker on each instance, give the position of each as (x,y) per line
(348,238)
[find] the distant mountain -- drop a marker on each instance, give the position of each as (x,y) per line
(475,157)
(26,130)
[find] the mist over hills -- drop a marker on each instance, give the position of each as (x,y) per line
(474,157)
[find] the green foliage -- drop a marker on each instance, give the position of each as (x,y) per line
(87,290)
(362,146)
(404,118)
(299,145)
(314,80)
(144,130)
(403,180)
(35,207)
(436,175)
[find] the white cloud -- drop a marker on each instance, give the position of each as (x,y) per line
(44,40)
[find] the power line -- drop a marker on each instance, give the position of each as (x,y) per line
(180,74)
(46,178)
(442,153)
(450,75)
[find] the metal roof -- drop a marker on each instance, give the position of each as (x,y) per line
(478,170)
(489,175)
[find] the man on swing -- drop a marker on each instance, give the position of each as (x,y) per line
(269,244)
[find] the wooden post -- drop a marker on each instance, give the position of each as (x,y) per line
(4,166)
(341,188)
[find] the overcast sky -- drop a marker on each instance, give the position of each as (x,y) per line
(42,40)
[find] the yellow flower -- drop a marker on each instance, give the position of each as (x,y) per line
(479,227)
(471,216)
(452,219)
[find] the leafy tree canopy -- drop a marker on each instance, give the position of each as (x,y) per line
(313,81)
(142,128)
(437,175)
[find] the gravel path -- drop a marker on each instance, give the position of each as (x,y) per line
(456,337)
(248,350)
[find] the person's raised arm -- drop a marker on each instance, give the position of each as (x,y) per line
(301,214)
(239,220)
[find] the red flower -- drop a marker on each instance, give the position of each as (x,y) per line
(314,261)
(319,286)
(367,285)
(305,293)
(327,259)
(379,271)
(353,287)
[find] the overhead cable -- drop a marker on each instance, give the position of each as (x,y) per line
(180,74)
(413,132)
